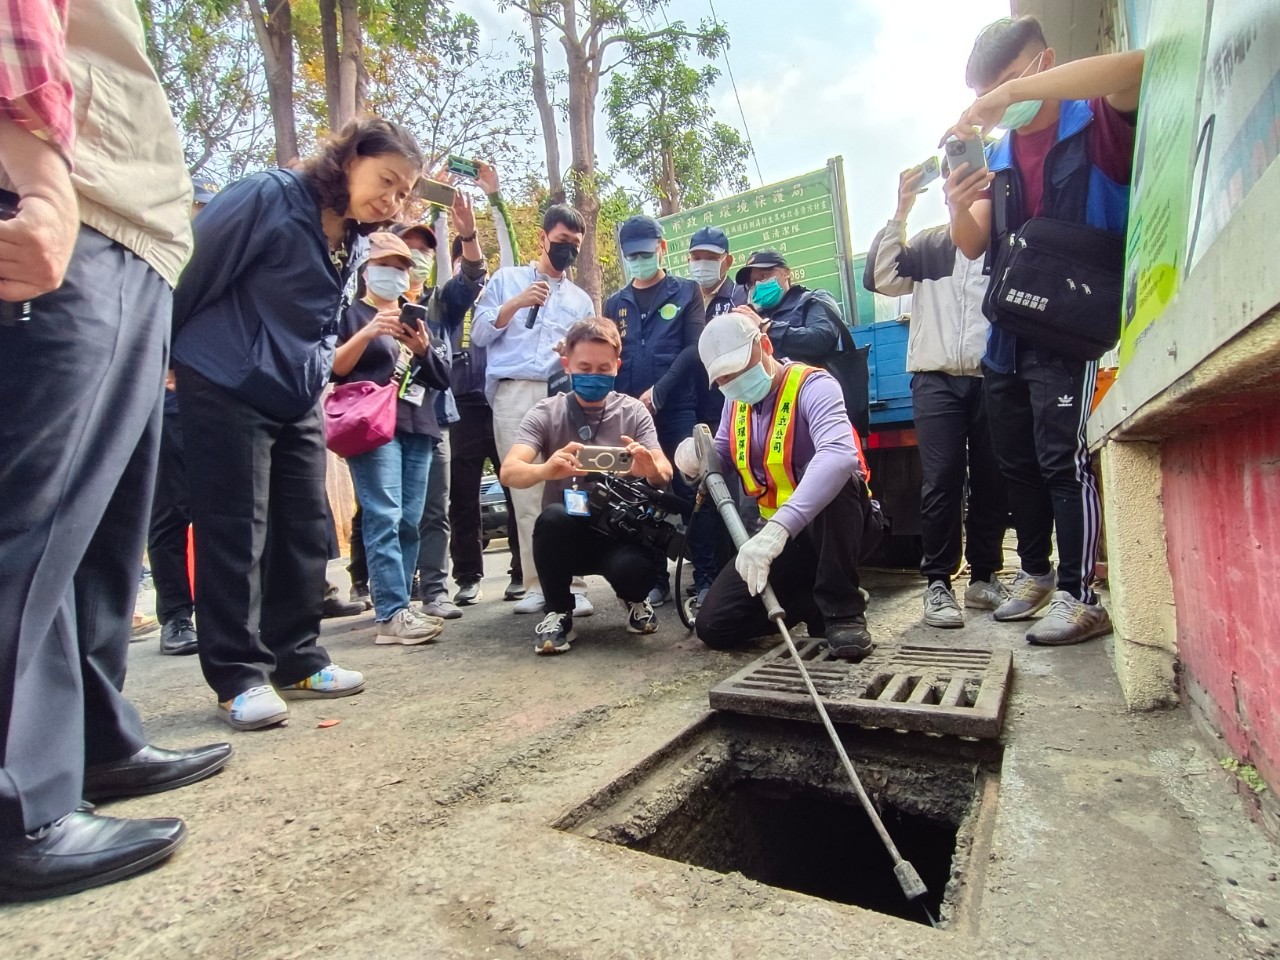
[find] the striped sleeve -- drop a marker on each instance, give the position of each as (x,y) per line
(35,85)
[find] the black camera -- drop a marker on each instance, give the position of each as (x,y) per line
(627,508)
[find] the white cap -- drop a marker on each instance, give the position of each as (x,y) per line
(725,344)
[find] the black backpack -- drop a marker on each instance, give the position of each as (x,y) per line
(848,365)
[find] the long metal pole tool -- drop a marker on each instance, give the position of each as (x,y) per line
(908,878)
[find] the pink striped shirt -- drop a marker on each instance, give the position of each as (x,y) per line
(35,85)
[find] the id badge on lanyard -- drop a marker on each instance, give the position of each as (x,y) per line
(410,392)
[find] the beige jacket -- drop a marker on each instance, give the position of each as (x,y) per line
(128,169)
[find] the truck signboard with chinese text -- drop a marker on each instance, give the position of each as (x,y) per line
(802,218)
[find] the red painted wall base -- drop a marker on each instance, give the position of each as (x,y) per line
(1222,520)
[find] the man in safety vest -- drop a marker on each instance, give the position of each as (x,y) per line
(785,433)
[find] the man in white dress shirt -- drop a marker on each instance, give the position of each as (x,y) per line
(521,316)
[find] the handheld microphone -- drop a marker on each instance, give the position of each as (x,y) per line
(533,315)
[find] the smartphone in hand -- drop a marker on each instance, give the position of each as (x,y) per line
(462,167)
(965,151)
(930,170)
(433,191)
(410,314)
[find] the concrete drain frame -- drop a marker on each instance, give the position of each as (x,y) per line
(767,798)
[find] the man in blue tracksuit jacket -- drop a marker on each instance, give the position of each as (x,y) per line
(660,318)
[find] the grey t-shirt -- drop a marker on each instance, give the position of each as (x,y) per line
(549,426)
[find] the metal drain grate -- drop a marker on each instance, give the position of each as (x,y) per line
(938,690)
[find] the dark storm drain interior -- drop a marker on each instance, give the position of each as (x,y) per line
(768,799)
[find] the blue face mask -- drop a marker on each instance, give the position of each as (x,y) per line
(749,387)
(767,294)
(592,387)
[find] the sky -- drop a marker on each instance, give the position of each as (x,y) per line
(873,81)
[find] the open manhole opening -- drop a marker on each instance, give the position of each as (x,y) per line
(768,799)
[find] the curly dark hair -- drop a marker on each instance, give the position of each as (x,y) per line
(326,171)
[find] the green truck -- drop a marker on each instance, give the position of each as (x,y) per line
(805,220)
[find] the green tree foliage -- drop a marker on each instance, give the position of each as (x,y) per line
(210,65)
(664,131)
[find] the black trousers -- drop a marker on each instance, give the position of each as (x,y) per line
(473,442)
(673,427)
(170,518)
(80,385)
(260,597)
(815,578)
(565,547)
(1037,417)
(952,430)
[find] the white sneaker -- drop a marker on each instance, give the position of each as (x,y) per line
(986,594)
(441,607)
(326,684)
(940,607)
(409,627)
(257,707)
(1069,621)
(533,602)
(1027,594)
(582,605)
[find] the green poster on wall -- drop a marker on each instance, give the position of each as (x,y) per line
(1160,199)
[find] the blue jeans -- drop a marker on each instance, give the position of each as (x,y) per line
(391,485)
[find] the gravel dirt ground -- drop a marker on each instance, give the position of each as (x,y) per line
(419,824)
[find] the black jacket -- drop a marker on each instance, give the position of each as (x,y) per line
(256,310)
(804,327)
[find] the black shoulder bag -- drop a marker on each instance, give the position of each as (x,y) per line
(1057,285)
(849,366)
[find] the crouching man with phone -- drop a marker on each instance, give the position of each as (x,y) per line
(583,446)
(381,338)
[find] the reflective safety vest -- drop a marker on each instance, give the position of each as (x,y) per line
(780,475)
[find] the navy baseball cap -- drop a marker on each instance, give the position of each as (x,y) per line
(709,238)
(204,190)
(762,260)
(639,235)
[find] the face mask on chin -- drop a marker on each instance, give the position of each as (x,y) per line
(1019,114)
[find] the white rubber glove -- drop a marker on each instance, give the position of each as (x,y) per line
(688,462)
(758,553)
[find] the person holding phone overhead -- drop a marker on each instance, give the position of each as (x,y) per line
(383,337)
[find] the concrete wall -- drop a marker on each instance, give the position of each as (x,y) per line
(1142,604)
(1222,514)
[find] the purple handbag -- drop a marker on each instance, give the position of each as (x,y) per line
(360,416)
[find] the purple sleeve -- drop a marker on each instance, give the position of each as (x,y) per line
(1111,140)
(835,458)
(722,439)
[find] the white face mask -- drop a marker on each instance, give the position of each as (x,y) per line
(386,282)
(706,273)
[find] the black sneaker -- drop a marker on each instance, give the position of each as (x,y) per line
(360,594)
(849,639)
(178,637)
(468,593)
(554,633)
(335,607)
(515,590)
(641,618)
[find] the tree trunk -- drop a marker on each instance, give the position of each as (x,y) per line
(669,189)
(275,36)
(582,169)
(351,83)
(547,114)
(329,40)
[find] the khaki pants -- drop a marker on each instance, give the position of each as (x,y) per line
(512,400)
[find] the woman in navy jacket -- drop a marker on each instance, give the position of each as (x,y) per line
(256,316)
